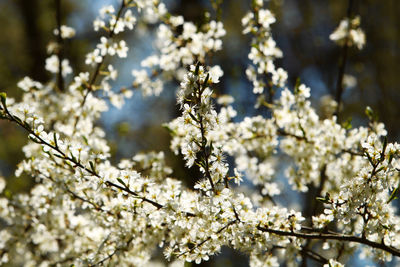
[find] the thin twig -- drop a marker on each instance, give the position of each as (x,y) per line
(208,238)
(60,47)
(96,72)
(78,164)
(342,64)
(336,236)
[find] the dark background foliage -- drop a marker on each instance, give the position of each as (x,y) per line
(302,32)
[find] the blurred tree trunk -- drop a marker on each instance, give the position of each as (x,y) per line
(35,44)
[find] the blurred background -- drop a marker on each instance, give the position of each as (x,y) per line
(302,32)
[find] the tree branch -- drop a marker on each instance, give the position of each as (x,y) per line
(342,64)
(76,163)
(333,236)
(60,78)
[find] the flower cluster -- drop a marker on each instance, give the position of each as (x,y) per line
(263,51)
(180,44)
(349,33)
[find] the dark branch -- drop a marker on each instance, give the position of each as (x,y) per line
(331,236)
(60,47)
(342,64)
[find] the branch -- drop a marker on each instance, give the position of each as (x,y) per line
(101,262)
(301,138)
(209,238)
(78,164)
(203,147)
(314,207)
(313,255)
(342,64)
(100,64)
(333,236)
(96,72)
(60,78)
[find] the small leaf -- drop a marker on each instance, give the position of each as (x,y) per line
(380,169)
(3,97)
(255,46)
(207,78)
(92,167)
(322,199)
(196,71)
(166,126)
(121,182)
(73,158)
(393,195)
(325,199)
(370,113)
(200,163)
(55,140)
(347,124)
(204,141)
(193,117)
(296,86)
(385,142)
(85,139)
(391,156)
(17,119)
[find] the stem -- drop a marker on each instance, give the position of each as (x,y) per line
(342,64)
(96,72)
(314,206)
(78,164)
(204,140)
(208,238)
(60,41)
(101,262)
(333,236)
(205,154)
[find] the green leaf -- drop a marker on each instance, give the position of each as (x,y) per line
(200,163)
(196,71)
(18,120)
(297,85)
(369,158)
(121,182)
(3,97)
(86,140)
(347,124)
(207,78)
(58,156)
(193,117)
(393,195)
(73,158)
(372,116)
(322,199)
(391,156)
(92,167)
(171,131)
(325,199)
(8,194)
